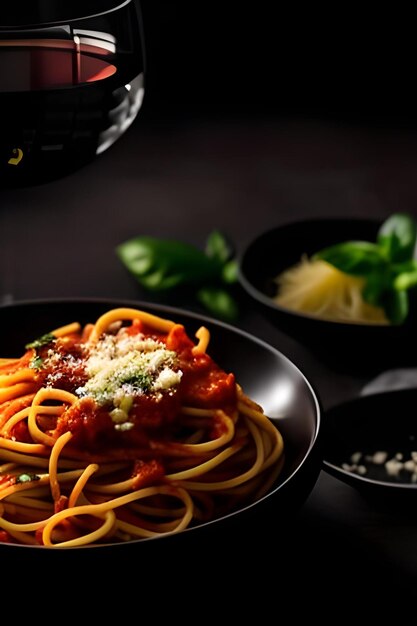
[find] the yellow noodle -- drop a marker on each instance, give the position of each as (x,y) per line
(128,314)
(203,337)
(54,490)
(46,394)
(26,374)
(74,327)
(53,464)
(81,483)
(15,391)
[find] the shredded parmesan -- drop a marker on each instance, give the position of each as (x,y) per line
(123,367)
(317,288)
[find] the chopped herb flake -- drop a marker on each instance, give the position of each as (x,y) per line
(26,478)
(36,363)
(41,341)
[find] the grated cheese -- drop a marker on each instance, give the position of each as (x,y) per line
(393,466)
(120,367)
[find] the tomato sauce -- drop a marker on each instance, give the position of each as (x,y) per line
(151,415)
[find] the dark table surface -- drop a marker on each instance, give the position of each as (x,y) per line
(182,178)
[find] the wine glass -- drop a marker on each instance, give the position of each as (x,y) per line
(71,83)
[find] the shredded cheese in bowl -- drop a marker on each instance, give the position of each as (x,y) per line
(317,288)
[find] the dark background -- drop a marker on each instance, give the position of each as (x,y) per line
(255,114)
(266,58)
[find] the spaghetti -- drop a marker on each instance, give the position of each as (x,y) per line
(125,429)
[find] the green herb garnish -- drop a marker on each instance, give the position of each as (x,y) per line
(36,363)
(161,265)
(26,478)
(41,341)
(387,265)
(139,382)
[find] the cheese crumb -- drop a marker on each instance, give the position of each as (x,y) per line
(127,366)
(356,457)
(377,458)
(124,427)
(393,467)
(398,466)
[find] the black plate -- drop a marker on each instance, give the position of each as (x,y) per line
(353,348)
(264,373)
(378,423)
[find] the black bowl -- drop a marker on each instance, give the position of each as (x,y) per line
(269,377)
(362,435)
(345,346)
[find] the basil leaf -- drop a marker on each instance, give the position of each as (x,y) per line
(230,271)
(396,305)
(375,286)
(407,266)
(387,266)
(405,280)
(397,237)
(160,264)
(219,302)
(360,258)
(217,247)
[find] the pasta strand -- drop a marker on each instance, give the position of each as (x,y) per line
(126,429)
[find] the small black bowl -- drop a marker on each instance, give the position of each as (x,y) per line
(346,346)
(370,443)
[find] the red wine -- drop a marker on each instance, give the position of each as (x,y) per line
(34,65)
(67,93)
(59,109)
